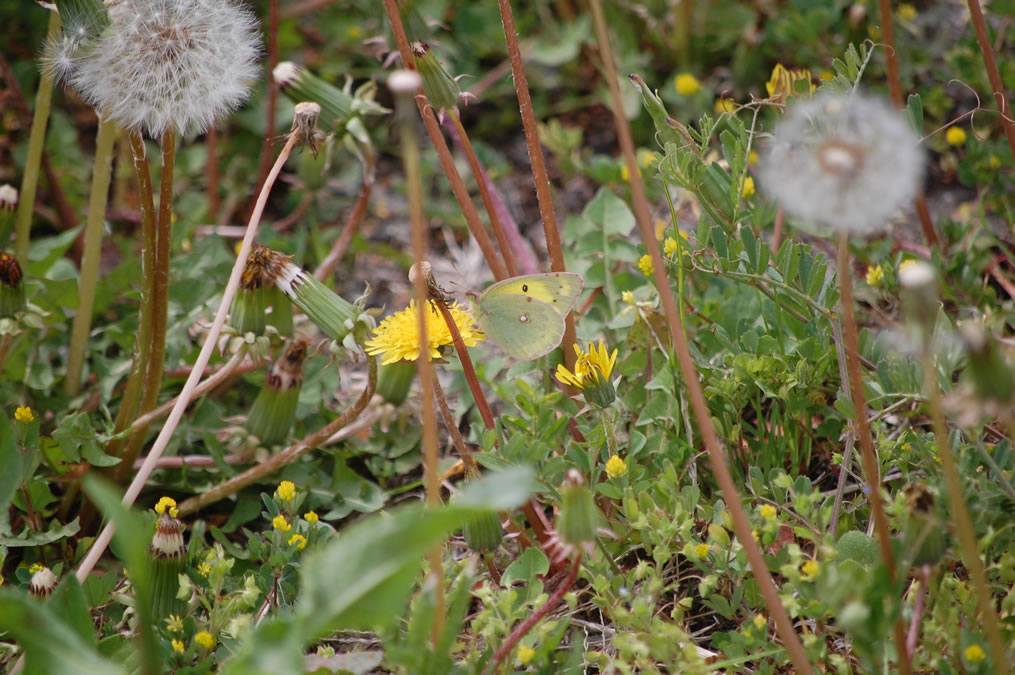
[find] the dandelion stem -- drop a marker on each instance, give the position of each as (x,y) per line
(287,456)
(990,64)
(101,171)
(449,422)
(36,141)
(863,432)
(352,222)
(162,440)
(542,181)
(484,191)
(447,162)
(470,371)
(963,522)
(741,524)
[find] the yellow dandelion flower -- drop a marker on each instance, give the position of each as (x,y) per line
(686,84)
(810,569)
(955,136)
(875,275)
(167,504)
(36,567)
(782,82)
(24,414)
(204,569)
(286,491)
(299,541)
(748,187)
(725,105)
(615,467)
(178,646)
(592,370)
(701,550)
(397,336)
(767,511)
(174,624)
(525,654)
(310,517)
(281,524)
(205,639)
(975,653)
(907,12)
(645,264)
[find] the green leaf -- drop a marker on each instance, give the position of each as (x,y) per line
(50,645)
(69,601)
(610,213)
(530,564)
(275,647)
(914,113)
(500,491)
(10,463)
(56,532)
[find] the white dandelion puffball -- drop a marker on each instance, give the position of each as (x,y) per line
(843,163)
(169,64)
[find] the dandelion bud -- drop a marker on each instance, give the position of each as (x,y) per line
(483,533)
(8,204)
(440,88)
(669,130)
(988,370)
(12,287)
(274,410)
(43,581)
(394,381)
(338,106)
(168,64)
(304,127)
(925,534)
(579,516)
(247,314)
(167,552)
(334,315)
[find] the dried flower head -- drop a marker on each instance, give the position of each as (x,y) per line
(847,163)
(158,65)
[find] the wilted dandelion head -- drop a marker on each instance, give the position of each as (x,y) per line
(164,64)
(844,163)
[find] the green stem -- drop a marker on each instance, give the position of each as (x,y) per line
(680,251)
(159,315)
(36,141)
(90,258)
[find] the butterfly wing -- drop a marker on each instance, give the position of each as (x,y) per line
(525,328)
(559,290)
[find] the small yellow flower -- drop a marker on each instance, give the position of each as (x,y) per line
(975,653)
(178,646)
(625,173)
(628,297)
(810,569)
(310,517)
(174,624)
(725,105)
(167,504)
(299,541)
(397,336)
(994,162)
(875,275)
(645,264)
(646,157)
(281,524)
(205,639)
(204,569)
(701,550)
(669,246)
(874,32)
(36,567)
(286,491)
(24,414)
(525,654)
(767,511)
(686,84)
(907,12)
(354,32)
(592,370)
(615,467)
(660,228)
(752,157)
(748,189)
(782,82)
(955,136)
(905,264)
(760,622)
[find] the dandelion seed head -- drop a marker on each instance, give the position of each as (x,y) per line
(843,163)
(169,64)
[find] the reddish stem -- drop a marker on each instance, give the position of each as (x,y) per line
(980,26)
